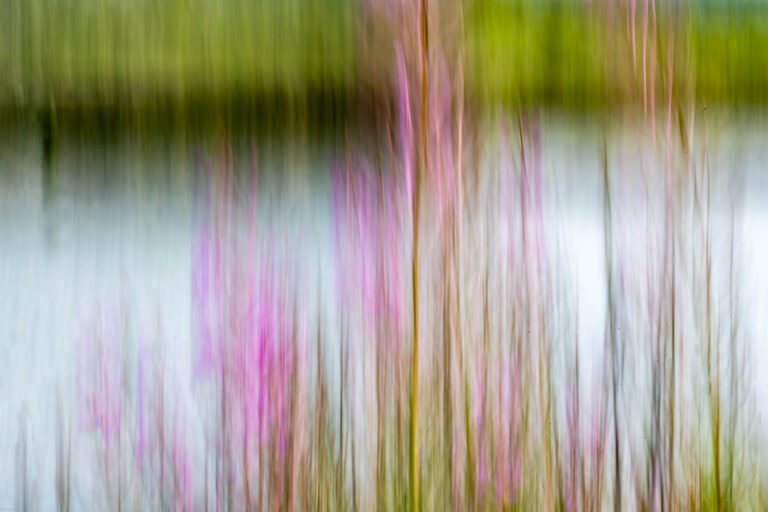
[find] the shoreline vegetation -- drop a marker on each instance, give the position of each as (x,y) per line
(99,53)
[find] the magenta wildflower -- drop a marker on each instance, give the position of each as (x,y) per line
(180,466)
(368,232)
(101,376)
(405,124)
(141,392)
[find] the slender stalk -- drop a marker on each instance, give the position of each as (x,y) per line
(413,427)
(612,341)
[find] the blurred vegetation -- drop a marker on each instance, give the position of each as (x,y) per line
(105,51)
(580,53)
(569,53)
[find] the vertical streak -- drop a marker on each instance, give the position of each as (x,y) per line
(414,462)
(645,60)
(612,341)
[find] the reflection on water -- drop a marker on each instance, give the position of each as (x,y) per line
(174,247)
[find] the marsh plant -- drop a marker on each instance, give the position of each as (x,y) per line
(445,367)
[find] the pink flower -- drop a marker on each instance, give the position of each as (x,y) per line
(180,467)
(365,208)
(405,130)
(141,391)
(101,376)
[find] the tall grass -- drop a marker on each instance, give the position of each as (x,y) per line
(448,371)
